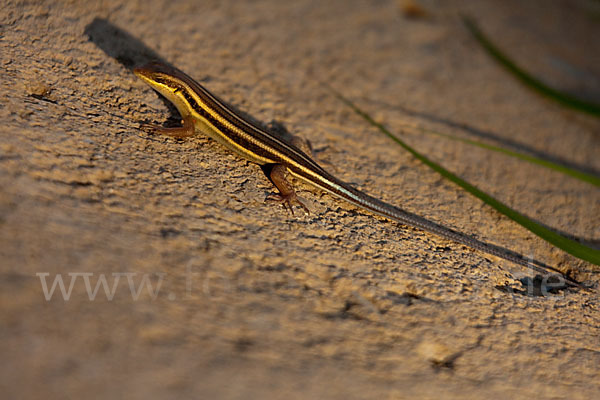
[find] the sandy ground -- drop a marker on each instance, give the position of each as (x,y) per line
(237,298)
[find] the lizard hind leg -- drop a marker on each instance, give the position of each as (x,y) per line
(306,146)
(287,195)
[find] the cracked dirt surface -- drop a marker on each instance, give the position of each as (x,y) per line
(251,302)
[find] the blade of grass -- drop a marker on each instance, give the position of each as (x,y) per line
(570,246)
(533,83)
(583,176)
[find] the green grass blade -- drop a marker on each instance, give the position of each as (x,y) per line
(533,83)
(583,176)
(570,246)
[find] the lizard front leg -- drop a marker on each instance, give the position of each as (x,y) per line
(186,130)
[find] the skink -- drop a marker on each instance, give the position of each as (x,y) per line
(201,111)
